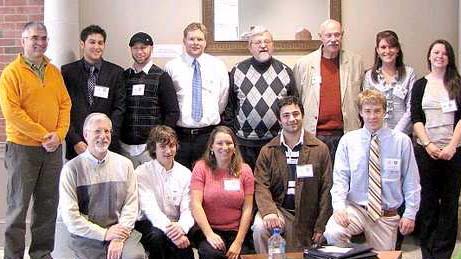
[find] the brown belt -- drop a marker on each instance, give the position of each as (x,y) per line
(386,213)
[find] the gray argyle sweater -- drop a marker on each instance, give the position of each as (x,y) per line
(254,90)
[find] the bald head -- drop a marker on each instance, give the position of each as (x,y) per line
(329,24)
(331,36)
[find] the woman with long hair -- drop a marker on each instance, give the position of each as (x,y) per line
(393,78)
(222,189)
(435,112)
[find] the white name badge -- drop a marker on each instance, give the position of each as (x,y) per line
(291,184)
(391,164)
(303,171)
(292,161)
(138,90)
(316,80)
(232,185)
(101,91)
(398,91)
(449,106)
(291,191)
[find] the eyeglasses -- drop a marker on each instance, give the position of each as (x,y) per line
(102,131)
(37,38)
(261,42)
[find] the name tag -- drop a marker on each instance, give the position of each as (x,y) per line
(316,80)
(101,91)
(291,191)
(292,161)
(138,90)
(449,106)
(392,164)
(303,171)
(232,185)
(398,91)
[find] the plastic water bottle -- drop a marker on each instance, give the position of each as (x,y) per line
(276,245)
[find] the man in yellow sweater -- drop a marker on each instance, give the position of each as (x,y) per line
(36,107)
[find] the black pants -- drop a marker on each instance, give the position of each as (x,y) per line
(206,251)
(191,148)
(438,213)
(332,142)
(250,153)
(158,245)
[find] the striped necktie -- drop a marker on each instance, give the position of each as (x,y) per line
(197,109)
(374,208)
(91,84)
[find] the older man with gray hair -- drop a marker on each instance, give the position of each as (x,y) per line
(255,85)
(98,197)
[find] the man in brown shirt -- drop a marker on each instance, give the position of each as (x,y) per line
(293,178)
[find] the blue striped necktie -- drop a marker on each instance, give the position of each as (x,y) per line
(197,109)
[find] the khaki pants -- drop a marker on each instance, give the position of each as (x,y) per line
(381,235)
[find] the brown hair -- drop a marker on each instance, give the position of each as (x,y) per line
(163,135)
(451,79)
(195,26)
(288,100)
(370,96)
(210,159)
(393,40)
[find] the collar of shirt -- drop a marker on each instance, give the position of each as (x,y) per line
(381,78)
(40,69)
(300,141)
(145,69)
(159,168)
(93,159)
(97,65)
(382,132)
(189,59)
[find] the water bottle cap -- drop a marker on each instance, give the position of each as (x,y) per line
(276,231)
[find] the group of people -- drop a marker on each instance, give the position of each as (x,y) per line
(161,160)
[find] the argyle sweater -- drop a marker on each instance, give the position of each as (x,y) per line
(254,90)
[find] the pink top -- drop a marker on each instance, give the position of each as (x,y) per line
(223,194)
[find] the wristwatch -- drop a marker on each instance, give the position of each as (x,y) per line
(425,144)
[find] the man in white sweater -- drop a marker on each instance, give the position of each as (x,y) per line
(99,198)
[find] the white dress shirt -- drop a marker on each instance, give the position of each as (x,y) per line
(164,196)
(215,87)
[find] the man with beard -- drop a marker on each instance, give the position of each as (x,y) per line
(150,100)
(328,80)
(255,86)
(94,85)
(292,183)
(98,198)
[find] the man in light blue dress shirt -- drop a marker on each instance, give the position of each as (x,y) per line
(399,180)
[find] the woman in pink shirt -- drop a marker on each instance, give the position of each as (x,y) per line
(222,189)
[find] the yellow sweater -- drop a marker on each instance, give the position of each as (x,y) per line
(33,108)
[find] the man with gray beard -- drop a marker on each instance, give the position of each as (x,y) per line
(255,86)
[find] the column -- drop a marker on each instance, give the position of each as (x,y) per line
(61,18)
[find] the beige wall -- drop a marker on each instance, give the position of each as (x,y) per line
(418,22)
